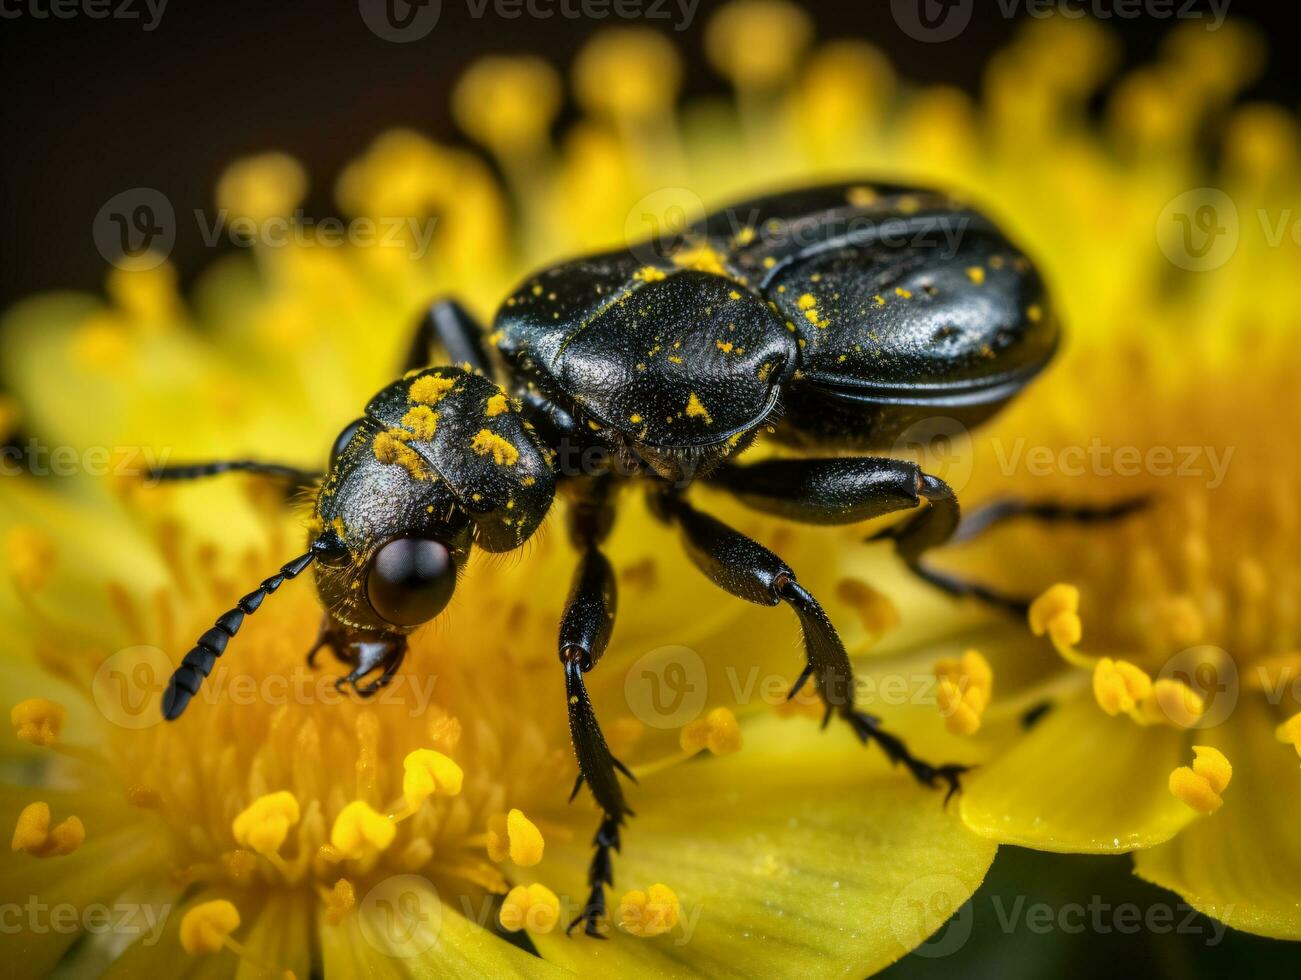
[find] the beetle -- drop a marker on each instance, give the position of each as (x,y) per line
(833,317)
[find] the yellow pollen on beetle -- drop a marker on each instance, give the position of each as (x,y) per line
(649,273)
(634,418)
(390,446)
(718,732)
(533,907)
(38,721)
(497,404)
(696,409)
(513,835)
(1202,785)
(1119,686)
(902,293)
(33,834)
(1034,313)
(976,274)
(1057,613)
(488,443)
(425,773)
(726,346)
(965,687)
(702,258)
(31,557)
(861,197)
(649,913)
(806,302)
(263,825)
(429,389)
(422,421)
(206,928)
(359,830)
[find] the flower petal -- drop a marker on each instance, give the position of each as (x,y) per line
(1081,781)
(1242,865)
(403,928)
(804,853)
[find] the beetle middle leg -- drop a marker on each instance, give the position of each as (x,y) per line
(850,490)
(749,571)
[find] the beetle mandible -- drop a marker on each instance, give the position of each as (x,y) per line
(834,317)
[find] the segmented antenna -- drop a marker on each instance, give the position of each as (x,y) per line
(198,662)
(195,471)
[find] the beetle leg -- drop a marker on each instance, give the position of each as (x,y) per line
(195,471)
(846,491)
(447,324)
(585,632)
(996,512)
(750,571)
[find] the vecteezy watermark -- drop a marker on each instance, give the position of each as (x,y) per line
(404,21)
(97,919)
(148,12)
(936,21)
(34,458)
(137,229)
(402,916)
(1101,917)
(1099,458)
(128,688)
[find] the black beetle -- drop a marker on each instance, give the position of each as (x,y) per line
(834,317)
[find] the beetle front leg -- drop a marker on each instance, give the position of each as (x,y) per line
(749,571)
(584,633)
(364,651)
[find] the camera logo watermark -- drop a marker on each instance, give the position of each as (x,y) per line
(1199,230)
(667,687)
(136,228)
(401,916)
(937,21)
(401,21)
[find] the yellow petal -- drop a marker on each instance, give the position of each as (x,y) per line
(1243,866)
(865,863)
(1080,781)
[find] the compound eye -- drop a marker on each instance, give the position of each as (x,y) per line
(341,443)
(410,580)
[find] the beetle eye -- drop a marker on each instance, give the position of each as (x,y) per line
(345,437)
(410,580)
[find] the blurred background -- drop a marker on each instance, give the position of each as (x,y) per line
(166,96)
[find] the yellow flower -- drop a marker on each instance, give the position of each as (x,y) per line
(386,858)
(344,832)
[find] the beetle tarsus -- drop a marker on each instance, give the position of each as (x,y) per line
(600,874)
(868,728)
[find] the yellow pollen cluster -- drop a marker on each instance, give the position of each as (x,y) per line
(649,913)
(426,772)
(206,928)
(488,443)
(33,834)
(391,446)
(1202,785)
(263,825)
(696,409)
(497,405)
(38,720)
(515,836)
(430,389)
(964,690)
(422,421)
(359,830)
(718,732)
(339,900)
(1057,613)
(1290,732)
(31,557)
(532,907)
(648,273)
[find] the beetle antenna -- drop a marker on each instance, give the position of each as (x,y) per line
(198,663)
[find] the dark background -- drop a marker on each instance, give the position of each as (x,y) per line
(94,107)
